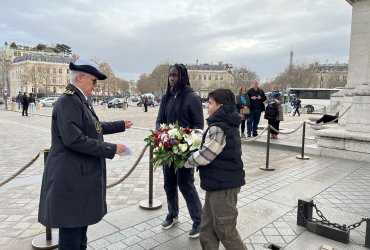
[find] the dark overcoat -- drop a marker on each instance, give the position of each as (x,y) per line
(73,191)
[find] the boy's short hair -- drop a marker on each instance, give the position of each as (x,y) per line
(222,96)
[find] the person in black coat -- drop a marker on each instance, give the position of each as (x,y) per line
(73,190)
(25,104)
(257,97)
(181,104)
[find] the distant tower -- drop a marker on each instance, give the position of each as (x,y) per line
(291,58)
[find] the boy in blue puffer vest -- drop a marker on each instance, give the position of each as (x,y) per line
(221,172)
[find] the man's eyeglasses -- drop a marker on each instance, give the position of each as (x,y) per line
(95,80)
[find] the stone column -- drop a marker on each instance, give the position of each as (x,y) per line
(359,56)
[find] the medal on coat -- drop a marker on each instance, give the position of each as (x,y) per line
(98,127)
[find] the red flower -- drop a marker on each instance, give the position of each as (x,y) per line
(167,144)
(187,130)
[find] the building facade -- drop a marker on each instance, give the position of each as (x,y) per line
(27,70)
(331,75)
(43,75)
(207,77)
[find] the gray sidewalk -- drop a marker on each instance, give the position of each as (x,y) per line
(267,203)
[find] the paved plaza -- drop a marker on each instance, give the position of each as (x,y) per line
(267,203)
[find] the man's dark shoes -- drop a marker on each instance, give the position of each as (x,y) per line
(194,232)
(254,135)
(169,222)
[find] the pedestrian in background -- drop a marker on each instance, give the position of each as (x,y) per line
(181,104)
(19,100)
(25,104)
(145,102)
(221,172)
(73,190)
(32,102)
(257,97)
(274,99)
(243,107)
(297,106)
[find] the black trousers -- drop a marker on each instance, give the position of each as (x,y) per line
(184,179)
(145,107)
(275,124)
(326,118)
(73,238)
(296,111)
(25,109)
(242,126)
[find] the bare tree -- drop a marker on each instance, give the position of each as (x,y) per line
(301,75)
(242,77)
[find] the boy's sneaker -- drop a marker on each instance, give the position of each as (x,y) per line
(168,223)
(194,232)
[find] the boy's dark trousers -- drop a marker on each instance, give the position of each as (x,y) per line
(184,179)
(220,207)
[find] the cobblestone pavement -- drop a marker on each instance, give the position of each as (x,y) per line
(267,203)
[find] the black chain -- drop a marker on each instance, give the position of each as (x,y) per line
(325,221)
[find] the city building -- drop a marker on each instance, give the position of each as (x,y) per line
(27,69)
(207,77)
(331,75)
(42,74)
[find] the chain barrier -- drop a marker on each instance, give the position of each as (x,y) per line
(285,133)
(333,121)
(20,170)
(258,136)
(325,221)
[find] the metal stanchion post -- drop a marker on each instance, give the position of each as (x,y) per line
(302,156)
(150,203)
(367,235)
(267,168)
(49,240)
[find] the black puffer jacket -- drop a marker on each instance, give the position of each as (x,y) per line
(226,170)
(185,107)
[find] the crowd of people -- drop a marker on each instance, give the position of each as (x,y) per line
(26,103)
(73,190)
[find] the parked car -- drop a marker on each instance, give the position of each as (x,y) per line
(48,101)
(205,104)
(2,101)
(116,103)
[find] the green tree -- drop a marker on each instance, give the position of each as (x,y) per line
(41,47)
(13,45)
(62,48)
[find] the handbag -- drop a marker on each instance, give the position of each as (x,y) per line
(271,111)
(245,110)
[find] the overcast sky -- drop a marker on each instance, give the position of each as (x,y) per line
(135,36)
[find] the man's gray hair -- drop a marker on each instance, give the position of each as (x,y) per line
(74,74)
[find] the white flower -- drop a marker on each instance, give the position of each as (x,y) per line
(194,140)
(172,132)
(183,147)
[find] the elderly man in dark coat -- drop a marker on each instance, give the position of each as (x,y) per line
(73,191)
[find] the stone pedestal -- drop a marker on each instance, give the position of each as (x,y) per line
(38,106)
(13,106)
(351,139)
